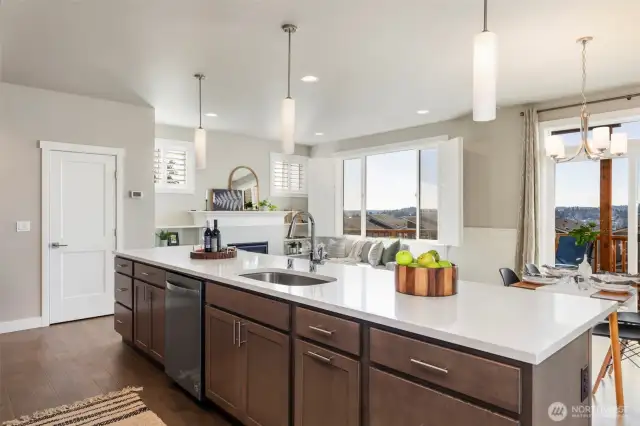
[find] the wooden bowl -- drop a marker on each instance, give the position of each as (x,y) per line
(427,282)
(214,255)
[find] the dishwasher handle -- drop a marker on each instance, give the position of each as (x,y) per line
(179,289)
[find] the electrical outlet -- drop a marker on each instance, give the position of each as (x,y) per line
(585,383)
(23,226)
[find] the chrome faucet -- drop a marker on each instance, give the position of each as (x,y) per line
(314,256)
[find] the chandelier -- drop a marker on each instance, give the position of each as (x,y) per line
(603,145)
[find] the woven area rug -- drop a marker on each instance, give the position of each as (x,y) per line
(123,408)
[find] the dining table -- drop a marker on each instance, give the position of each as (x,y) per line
(614,355)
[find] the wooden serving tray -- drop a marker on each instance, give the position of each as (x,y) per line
(214,255)
(427,282)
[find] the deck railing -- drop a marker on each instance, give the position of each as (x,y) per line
(618,251)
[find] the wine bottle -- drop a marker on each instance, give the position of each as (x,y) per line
(216,237)
(208,239)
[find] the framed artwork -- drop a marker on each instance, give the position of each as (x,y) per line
(228,200)
(174,239)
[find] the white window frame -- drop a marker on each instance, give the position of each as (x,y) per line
(547,173)
(295,159)
(361,154)
(189,148)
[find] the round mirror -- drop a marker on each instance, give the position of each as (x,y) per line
(244,179)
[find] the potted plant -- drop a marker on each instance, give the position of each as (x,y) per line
(585,235)
(264,205)
(163,236)
(249,206)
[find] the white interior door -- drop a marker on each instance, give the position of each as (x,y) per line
(82,222)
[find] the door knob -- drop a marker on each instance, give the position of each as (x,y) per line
(58,245)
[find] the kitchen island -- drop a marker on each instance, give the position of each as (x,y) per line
(354,352)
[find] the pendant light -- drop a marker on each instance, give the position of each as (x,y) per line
(485,73)
(201,134)
(288,104)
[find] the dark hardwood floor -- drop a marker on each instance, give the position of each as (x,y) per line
(62,364)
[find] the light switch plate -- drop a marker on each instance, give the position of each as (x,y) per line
(23,226)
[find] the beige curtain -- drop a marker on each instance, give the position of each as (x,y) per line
(527,243)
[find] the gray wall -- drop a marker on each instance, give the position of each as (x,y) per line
(28,115)
(492,157)
(225,151)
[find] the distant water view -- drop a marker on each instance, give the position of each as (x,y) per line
(568,218)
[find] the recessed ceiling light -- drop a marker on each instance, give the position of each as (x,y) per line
(423,111)
(211,114)
(319,134)
(310,79)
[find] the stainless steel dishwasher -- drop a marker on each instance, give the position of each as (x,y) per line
(184,333)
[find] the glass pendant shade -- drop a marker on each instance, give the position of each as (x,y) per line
(554,146)
(600,138)
(201,148)
(288,125)
(618,143)
(485,76)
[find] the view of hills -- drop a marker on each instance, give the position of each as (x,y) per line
(568,218)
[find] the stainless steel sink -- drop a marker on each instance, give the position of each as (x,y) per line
(287,278)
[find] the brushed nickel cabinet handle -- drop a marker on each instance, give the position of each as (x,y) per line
(429,366)
(321,330)
(119,322)
(144,274)
(326,360)
(234,332)
(240,341)
(122,265)
(122,289)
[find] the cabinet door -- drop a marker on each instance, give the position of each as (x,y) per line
(224,364)
(327,388)
(141,316)
(396,401)
(266,392)
(156,299)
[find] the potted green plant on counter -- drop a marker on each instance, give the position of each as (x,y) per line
(163,236)
(265,205)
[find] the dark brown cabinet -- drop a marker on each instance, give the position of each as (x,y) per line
(327,388)
(247,369)
(148,319)
(396,401)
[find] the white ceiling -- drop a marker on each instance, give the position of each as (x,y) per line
(378,60)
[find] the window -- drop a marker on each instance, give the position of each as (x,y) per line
(406,193)
(174,167)
(288,175)
(352,197)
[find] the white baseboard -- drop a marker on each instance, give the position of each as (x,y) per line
(21,324)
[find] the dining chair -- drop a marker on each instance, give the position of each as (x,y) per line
(629,334)
(508,277)
(531,269)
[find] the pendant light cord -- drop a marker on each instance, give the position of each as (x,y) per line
(584,74)
(200,98)
(289,68)
(486,7)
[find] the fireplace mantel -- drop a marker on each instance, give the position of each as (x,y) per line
(239,218)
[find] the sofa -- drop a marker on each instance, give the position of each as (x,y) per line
(325,243)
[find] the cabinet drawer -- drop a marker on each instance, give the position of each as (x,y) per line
(123,266)
(336,332)
(123,290)
(489,381)
(261,309)
(395,401)
(155,276)
(123,322)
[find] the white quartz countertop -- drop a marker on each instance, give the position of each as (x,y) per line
(524,325)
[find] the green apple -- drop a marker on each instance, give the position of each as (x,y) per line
(433,265)
(435,255)
(445,264)
(425,258)
(404,257)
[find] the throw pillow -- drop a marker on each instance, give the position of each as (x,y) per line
(389,254)
(337,248)
(356,250)
(375,254)
(364,255)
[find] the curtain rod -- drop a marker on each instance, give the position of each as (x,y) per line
(616,98)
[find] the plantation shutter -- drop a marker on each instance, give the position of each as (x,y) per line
(174,166)
(158,168)
(288,174)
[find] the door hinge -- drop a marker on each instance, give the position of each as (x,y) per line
(115,232)
(115,175)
